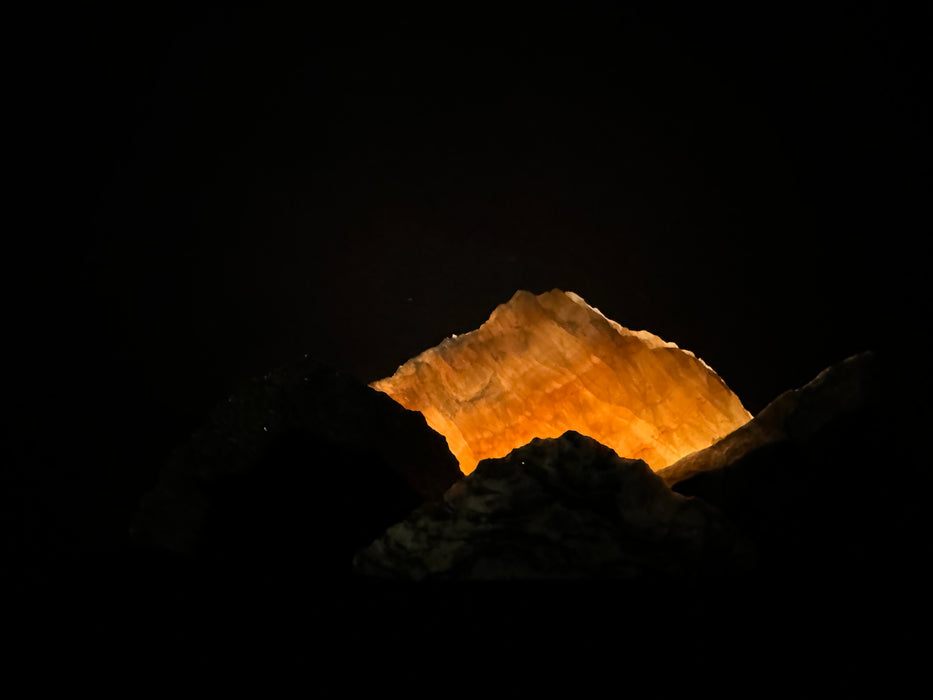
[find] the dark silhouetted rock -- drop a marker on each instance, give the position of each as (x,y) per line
(795,416)
(831,482)
(564,507)
(304,465)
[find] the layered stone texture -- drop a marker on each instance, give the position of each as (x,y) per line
(542,365)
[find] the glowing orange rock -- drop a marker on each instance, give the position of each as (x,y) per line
(543,365)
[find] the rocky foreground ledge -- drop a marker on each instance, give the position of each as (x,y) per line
(557,508)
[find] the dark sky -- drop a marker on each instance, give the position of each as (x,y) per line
(212,193)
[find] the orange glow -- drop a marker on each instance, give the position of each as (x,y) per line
(542,365)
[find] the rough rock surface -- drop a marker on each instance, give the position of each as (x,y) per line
(796,416)
(304,454)
(543,365)
(555,508)
(831,482)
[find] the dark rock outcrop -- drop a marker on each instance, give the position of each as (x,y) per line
(557,508)
(576,562)
(305,462)
(831,482)
(796,416)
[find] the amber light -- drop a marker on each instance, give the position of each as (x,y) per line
(542,365)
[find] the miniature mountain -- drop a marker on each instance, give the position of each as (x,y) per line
(301,452)
(543,365)
(557,508)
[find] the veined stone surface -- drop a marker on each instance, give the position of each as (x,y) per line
(542,365)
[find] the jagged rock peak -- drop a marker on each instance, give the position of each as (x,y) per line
(562,507)
(545,364)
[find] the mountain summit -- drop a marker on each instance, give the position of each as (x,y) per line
(542,365)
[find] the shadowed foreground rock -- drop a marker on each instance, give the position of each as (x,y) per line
(832,483)
(303,459)
(796,416)
(576,564)
(565,507)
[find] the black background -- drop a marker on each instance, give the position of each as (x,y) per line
(202,194)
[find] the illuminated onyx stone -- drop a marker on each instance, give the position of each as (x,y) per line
(543,365)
